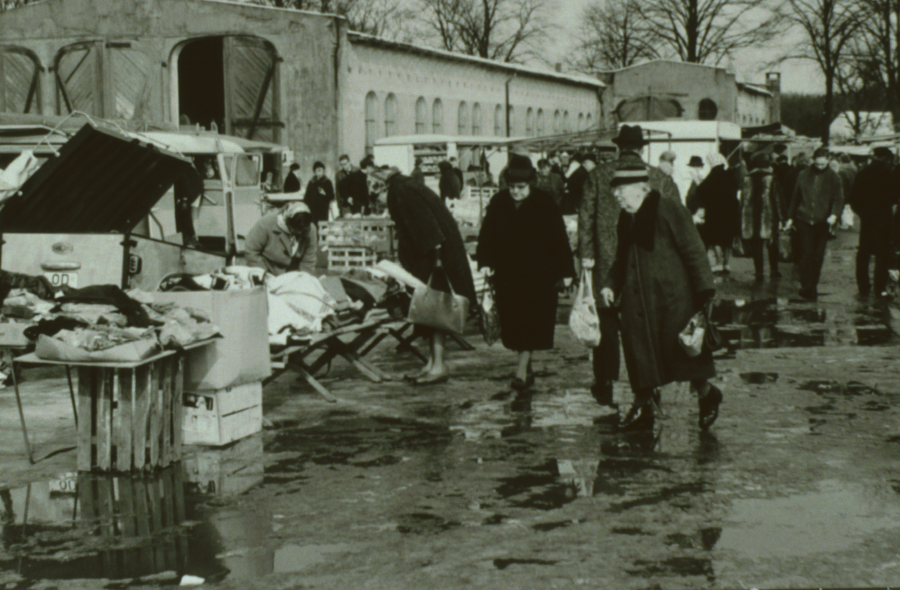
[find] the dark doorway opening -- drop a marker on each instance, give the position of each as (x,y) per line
(201,84)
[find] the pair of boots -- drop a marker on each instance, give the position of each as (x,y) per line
(641,415)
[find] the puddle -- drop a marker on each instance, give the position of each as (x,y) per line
(422,523)
(704,539)
(294,558)
(835,518)
(830,388)
(502,564)
(674,566)
(757,378)
(538,487)
(675,494)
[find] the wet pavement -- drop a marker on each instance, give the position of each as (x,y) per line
(467,485)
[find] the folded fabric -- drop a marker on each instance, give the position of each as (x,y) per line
(297,300)
(113,295)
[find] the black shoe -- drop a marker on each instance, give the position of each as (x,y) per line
(775,274)
(709,407)
(808,295)
(638,418)
(518,385)
(529,378)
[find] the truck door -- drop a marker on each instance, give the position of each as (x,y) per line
(241,196)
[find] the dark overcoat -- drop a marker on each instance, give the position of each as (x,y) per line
(528,249)
(718,195)
(661,277)
(760,205)
(318,200)
(422,223)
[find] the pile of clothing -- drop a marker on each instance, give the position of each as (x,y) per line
(99,317)
(301,304)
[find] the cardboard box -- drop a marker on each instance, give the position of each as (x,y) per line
(242,354)
(230,471)
(217,418)
(13,334)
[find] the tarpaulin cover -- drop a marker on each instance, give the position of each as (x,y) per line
(102,181)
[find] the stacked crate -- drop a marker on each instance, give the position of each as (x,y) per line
(356,242)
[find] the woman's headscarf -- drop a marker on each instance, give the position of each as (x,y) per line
(716,159)
(297,208)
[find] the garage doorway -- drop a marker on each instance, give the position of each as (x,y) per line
(231,81)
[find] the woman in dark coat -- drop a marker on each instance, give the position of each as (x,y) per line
(661,276)
(449,183)
(427,238)
(319,194)
(523,242)
(760,214)
(717,196)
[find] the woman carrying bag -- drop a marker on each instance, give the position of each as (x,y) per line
(524,248)
(430,247)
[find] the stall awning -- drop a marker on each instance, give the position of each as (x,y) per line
(101,181)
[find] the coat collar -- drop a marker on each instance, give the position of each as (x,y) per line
(643,224)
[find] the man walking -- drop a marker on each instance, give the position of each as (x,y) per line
(352,188)
(815,207)
(873,195)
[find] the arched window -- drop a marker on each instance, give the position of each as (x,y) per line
(587,122)
(512,120)
(371,121)
(566,127)
(437,116)
(476,119)
(581,121)
(20,81)
(707,110)
(462,119)
(421,116)
(557,122)
(529,122)
(390,115)
(540,122)
(499,124)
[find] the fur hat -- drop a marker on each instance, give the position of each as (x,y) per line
(520,169)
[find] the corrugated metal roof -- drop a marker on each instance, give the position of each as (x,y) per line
(102,181)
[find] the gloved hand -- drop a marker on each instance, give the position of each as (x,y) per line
(607,296)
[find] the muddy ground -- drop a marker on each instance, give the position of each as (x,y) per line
(465,485)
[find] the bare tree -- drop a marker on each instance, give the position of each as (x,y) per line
(505,30)
(385,18)
(830,27)
(705,31)
(613,35)
(880,34)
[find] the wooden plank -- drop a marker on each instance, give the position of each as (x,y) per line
(144,379)
(86,409)
(143,518)
(122,419)
(167,493)
(104,419)
(155,413)
(155,502)
(105,513)
(177,408)
(165,448)
(312,381)
(128,518)
(179,515)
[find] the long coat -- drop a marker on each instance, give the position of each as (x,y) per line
(717,195)
(423,223)
(318,200)
(759,205)
(661,276)
(874,193)
(598,216)
(268,246)
(528,249)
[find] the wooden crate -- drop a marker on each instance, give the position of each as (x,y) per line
(228,471)
(217,418)
(374,233)
(345,258)
(129,418)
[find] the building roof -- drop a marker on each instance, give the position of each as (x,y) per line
(669,61)
(753,89)
(363,39)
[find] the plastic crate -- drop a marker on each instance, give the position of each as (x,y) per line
(345,258)
(375,233)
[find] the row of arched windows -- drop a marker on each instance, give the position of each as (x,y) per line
(470,119)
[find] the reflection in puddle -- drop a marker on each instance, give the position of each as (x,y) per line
(833,519)
(779,323)
(293,558)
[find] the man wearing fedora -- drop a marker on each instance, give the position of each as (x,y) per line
(661,277)
(597,238)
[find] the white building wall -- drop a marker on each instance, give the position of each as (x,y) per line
(752,108)
(411,75)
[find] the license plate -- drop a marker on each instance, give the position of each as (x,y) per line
(58,279)
(65,485)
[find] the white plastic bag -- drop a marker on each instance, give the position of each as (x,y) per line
(584,321)
(847,217)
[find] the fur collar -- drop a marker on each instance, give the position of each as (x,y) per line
(643,223)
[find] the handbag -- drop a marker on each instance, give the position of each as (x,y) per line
(700,332)
(584,320)
(490,319)
(438,309)
(785,247)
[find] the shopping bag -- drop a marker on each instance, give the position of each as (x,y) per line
(847,217)
(584,321)
(691,337)
(785,247)
(490,319)
(739,249)
(437,309)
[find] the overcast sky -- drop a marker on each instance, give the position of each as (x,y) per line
(750,65)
